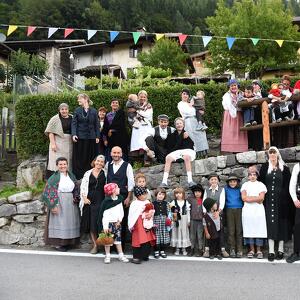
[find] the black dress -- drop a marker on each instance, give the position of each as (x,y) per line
(279,207)
(96,196)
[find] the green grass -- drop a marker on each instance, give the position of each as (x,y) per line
(11,190)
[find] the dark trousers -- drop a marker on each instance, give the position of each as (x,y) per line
(214,246)
(297,232)
(234,228)
(196,234)
(125,234)
(142,252)
(159,150)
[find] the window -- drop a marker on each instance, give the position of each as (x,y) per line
(97,54)
(134,51)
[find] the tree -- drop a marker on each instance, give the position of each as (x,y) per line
(2,73)
(165,54)
(265,19)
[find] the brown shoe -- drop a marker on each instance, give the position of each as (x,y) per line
(94,250)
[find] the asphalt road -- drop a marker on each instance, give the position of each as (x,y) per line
(33,276)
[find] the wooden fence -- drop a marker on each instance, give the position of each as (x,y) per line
(7,132)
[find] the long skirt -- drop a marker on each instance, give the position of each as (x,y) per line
(233,140)
(63,228)
(138,137)
(84,152)
(64,149)
(180,234)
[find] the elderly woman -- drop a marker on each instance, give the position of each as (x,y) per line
(85,135)
(92,195)
(278,204)
(295,194)
(59,132)
(188,113)
(233,140)
(60,196)
(138,135)
(180,146)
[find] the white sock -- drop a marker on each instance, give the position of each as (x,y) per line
(206,249)
(280,246)
(121,254)
(165,178)
(189,176)
(271,246)
(222,249)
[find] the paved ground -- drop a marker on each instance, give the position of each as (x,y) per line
(52,275)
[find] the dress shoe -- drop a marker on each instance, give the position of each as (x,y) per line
(292,258)
(271,257)
(192,252)
(136,261)
(279,255)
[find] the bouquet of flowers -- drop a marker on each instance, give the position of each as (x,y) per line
(105,239)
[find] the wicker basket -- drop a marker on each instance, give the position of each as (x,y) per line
(105,239)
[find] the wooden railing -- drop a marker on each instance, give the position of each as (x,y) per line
(265,116)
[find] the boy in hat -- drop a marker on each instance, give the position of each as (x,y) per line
(196,225)
(212,228)
(156,142)
(217,193)
(234,205)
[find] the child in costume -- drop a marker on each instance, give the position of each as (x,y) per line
(111,215)
(140,180)
(198,103)
(180,209)
(132,105)
(147,216)
(162,222)
(196,228)
(212,228)
(142,239)
(248,112)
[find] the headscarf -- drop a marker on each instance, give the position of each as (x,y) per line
(281,163)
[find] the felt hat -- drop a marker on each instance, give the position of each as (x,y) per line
(232,176)
(197,188)
(163,117)
(110,188)
(209,203)
(139,190)
(213,175)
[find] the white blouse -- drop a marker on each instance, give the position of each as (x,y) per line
(66,185)
(112,215)
(253,189)
(186,110)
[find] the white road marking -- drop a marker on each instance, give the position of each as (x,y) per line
(169,258)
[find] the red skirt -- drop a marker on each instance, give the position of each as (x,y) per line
(233,140)
(140,235)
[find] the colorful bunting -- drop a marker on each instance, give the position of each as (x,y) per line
(11,29)
(51,31)
(206,39)
(113,35)
(182,38)
(254,41)
(68,31)
(230,40)
(91,33)
(159,36)
(136,36)
(30,30)
(279,42)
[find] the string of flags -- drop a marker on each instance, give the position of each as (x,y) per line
(135,35)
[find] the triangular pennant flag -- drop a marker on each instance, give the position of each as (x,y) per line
(159,36)
(68,31)
(51,31)
(30,30)
(279,42)
(136,36)
(113,35)
(182,38)
(91,33)
(11,29)
(230,40)
(254,41)
(206,39)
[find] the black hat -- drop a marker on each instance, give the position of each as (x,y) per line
(232,176)
(185,90)
(197,188)
(213,175)
(163,117)
(139,190)
(208,203)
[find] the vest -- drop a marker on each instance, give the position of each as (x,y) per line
(216,196)
(157,138)
(120,177)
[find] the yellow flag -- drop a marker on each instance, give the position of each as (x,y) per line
(279,42)
(11,29)
(159,36)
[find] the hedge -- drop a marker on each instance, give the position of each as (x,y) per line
(33,112)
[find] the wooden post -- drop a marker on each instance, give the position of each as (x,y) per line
(265,123)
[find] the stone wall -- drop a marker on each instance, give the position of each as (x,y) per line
(22,216)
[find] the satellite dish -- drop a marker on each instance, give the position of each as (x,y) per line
(2,37)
